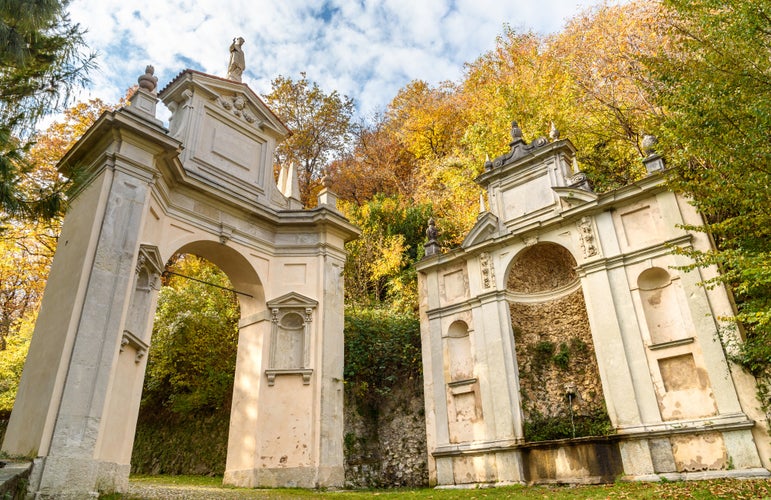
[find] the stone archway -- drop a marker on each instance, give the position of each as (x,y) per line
(559,381)
(205,186)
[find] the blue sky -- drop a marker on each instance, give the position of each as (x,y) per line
(365,49)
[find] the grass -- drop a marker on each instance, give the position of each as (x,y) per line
(211,487)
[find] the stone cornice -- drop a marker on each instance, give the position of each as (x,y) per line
(651,184)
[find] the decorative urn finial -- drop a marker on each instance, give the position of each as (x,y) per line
(148,81)
(649,143)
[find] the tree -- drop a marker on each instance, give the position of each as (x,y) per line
(192,360)
(380,268)
(27,247)
(609,108)
(426,119)
(716,90)
(378,163)
(40,65)
(320,124)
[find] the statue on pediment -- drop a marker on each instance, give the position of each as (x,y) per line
(236,65)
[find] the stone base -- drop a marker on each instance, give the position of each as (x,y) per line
(755,473)
(113,477)
(76,478)
(287,477)
(63,478)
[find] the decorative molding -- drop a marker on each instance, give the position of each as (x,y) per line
(488,270)
(632,257)
(549,295)
(586,236)
(303,307)
(530,241)
(149,260)
(671,343)
(238,106)
(139,345)
(485,229)
(272,373)
(727,422)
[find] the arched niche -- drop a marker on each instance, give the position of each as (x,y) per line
(663,316)
(542,268)
(558,373)
(464,406)
(459,357)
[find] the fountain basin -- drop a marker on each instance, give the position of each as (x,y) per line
(587,460)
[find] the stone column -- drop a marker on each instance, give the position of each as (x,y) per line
(70,467)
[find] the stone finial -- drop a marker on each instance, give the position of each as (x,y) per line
(326,180)
(237,64)
(432,245)
(649,144)
(653,161)
(148,81)
(488,163)
(326,196)
(554,134)
(516,132)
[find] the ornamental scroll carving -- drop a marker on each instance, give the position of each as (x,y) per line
(237,105)
(488,270)
(586,234)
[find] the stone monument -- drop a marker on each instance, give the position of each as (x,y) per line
(203,186)
(564,306)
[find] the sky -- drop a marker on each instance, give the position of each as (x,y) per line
(365,49)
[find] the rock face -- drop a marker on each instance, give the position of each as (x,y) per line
(559,381)
(386,446)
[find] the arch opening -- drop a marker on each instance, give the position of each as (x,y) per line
(188,385)
(560,389)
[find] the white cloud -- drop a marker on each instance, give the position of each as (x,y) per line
(366,49)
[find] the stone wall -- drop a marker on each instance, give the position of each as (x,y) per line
(385,446)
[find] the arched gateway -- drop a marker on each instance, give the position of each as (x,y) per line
(205,186)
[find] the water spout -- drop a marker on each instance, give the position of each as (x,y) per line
(570,392)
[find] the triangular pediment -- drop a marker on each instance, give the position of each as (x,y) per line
(572,197)
(235,99)
(291,300)
(485,228)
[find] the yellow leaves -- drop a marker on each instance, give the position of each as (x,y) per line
(390,257)
(426,119)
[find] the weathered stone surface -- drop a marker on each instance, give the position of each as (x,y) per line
(555,355)
(386,446)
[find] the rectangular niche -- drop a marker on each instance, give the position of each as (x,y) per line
(687,393)
(454,285)
(640,228)
(465,409)
(294,274)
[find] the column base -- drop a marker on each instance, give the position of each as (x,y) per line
(287,477)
